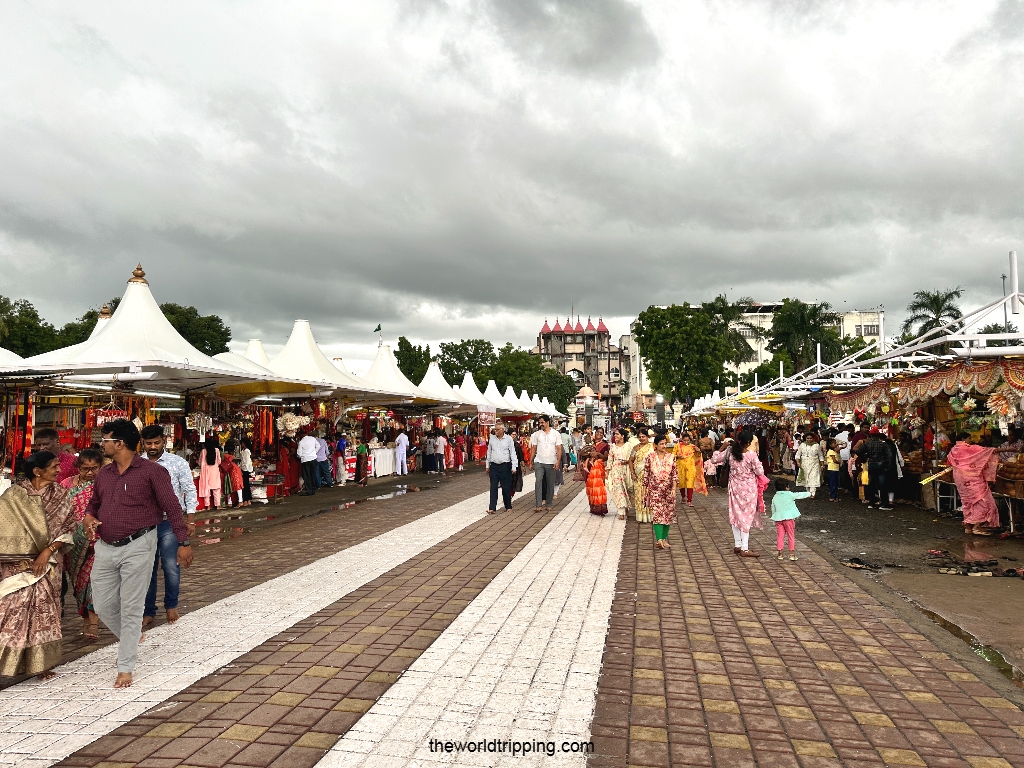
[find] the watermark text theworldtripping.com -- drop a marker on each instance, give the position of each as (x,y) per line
(513,748)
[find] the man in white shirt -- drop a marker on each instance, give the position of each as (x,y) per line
(501,462)
(401,446)
(547,454)
(307,450)
(440,445)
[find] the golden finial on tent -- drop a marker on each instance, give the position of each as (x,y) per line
(105,312)
(139,276)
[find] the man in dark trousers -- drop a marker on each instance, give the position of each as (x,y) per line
(501,463)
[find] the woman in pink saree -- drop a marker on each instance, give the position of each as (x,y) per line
(974,467)
(745,471)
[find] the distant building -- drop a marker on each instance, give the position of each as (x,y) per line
(587,354)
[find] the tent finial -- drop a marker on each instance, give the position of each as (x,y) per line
(138,276)
(105,312)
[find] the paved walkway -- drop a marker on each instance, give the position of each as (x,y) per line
(716,660)
(564,629)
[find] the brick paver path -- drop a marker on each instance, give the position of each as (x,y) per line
(716,660)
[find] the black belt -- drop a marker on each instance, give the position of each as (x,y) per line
(129,539)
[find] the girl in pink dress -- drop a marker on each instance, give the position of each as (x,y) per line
(209,473)
(745,470)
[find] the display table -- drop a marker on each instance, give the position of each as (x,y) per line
(383,462)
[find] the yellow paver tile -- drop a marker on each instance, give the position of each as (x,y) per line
(286,699)
(795,713)
(317,740)
(813,748)
(911,636)
(995,702)
(750,624)
(895,671)
(170,730)
(645,733)
(987,762)
(952,726)
(757,641)
(239,732)
(407,653)
(833,666)
(875,650)
(873,718)
(779,685)
(326,672)
(713,679)
(643,700)
(1018,729)
(814,645)
(921,696)
(383,677)
(901,757)
(647,651)
(702,637)
(701,656)
(849,690)
(730,741)
(353,705)
(220,697)
(962,677)
(771,661)
(649,674)
(648,633)
(721,705)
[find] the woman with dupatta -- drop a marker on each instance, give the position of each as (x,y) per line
(690,469)
(636,470)
(659,482)
(618,473)
(745,488)
(974,467)
(36,524)
(597,493)
(80,558)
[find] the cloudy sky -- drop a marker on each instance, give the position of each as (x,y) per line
(462,168)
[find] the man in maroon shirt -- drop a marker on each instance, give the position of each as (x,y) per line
(129,500)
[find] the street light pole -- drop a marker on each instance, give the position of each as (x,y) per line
(1006,317)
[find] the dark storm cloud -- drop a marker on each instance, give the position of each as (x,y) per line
(456,169)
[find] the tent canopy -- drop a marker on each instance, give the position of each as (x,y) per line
(254,351)
(384,374)
(9,358)
(435,385)
(470,393)
(492,395)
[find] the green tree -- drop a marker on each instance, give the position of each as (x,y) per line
(683,350)
(25,333)
(798,328)
(413,361)
(467,355)
(728,321)
(519,369)
(207,333)
(558,388)
(999,328)
(932,309)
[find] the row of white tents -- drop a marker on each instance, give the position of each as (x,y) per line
(137,347)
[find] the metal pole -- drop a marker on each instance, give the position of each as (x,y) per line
(819,355)
(1014,284)
(1006,317)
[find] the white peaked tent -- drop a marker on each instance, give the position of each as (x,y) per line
(301,358)
(9,358)
(528,406)
(101,321)
(549,409)
(538,406)
(139,344)
(471,394)
(384,374)
(492,395)
(240,361)
(511,399)
(435,385)
(254,351)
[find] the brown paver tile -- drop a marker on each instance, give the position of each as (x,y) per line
(780,664)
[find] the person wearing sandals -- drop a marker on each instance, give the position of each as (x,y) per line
(618,472)
(636,471)
(80,557)
(744,470)
(784,515)
(659,482)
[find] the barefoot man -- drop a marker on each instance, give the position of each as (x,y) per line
(153,443)
(130,498)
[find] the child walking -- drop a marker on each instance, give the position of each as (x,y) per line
(832,463)
(784,515)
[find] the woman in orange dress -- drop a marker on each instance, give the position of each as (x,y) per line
(597,493)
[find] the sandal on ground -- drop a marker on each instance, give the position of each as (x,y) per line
(748,553)
(779,556)
(490,511)
(792,557)
(736,550)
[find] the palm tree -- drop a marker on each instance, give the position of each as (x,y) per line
(932,309)
(798,328)
(727,319)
